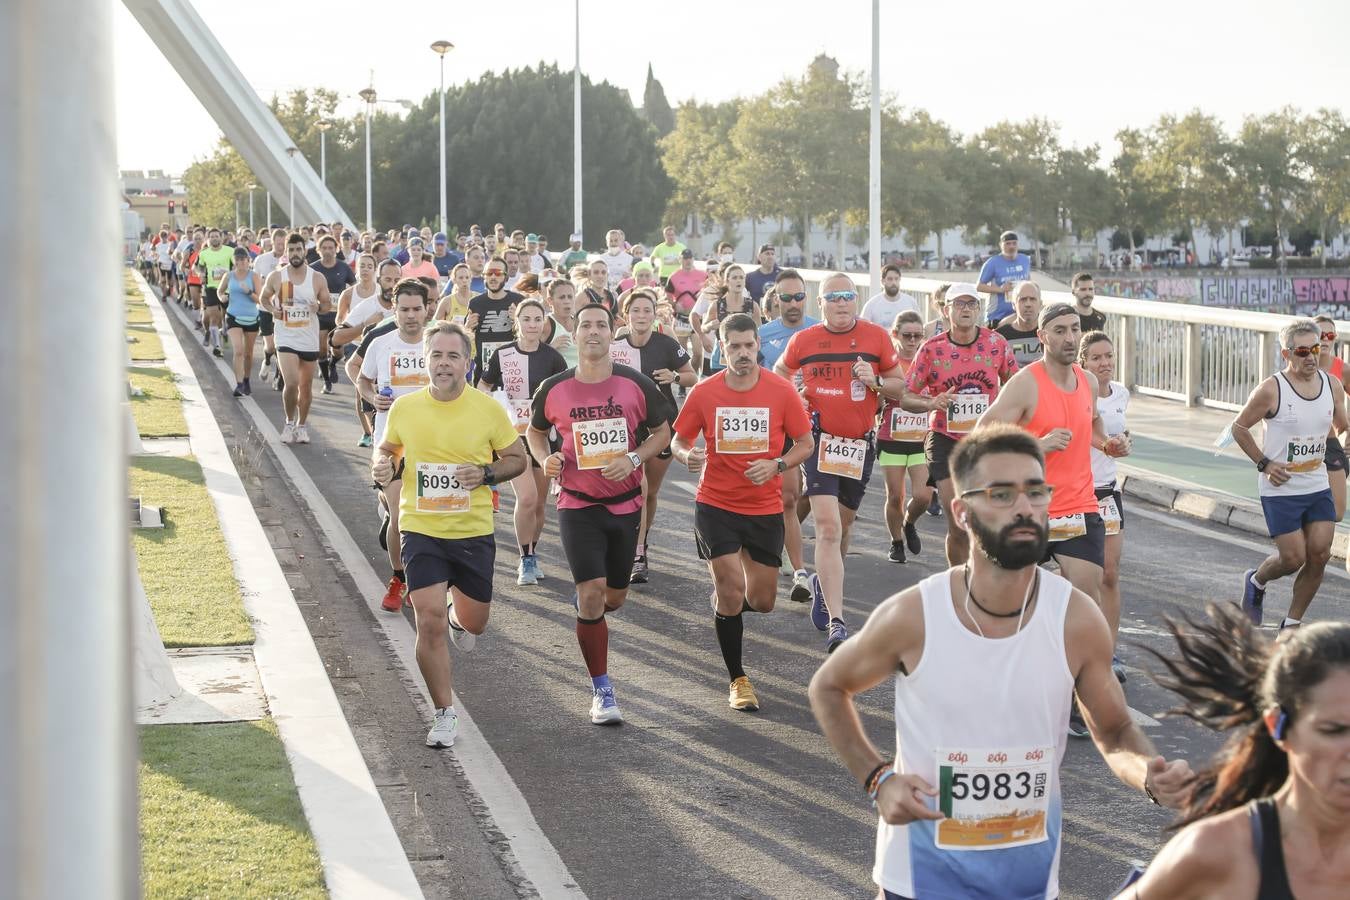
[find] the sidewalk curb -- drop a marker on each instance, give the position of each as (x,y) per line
(359,850)
(1196,502)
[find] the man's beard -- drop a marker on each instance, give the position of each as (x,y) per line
(892,291)
(996,547)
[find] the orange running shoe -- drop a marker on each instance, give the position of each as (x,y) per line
(393,598)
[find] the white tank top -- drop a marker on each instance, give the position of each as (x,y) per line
(1297,436)
(298,327)
(985,722)
(1112,410)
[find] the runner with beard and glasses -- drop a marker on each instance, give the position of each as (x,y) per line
(491,320)
(989,654)
(882,308)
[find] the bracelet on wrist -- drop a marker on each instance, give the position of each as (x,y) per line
(869,783)
(872,795)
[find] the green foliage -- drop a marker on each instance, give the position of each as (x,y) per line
(655,107)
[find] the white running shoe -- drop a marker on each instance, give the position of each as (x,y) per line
(464,640)
(444,727)
(302,434)
(604,709)
(288,434)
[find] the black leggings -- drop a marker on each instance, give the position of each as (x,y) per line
(599,544)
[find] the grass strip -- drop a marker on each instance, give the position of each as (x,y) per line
(147,344)
(220,816)
(159,411)
(184,566)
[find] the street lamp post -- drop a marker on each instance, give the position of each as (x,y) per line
(323,125)
(576,126)
(441,48)
(236,212)
(251,189)
(874,158)
(290,152)
(368,95)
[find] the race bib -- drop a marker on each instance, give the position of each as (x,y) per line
(489,348)
(965,410)
(1306,453)
(1110,513)
(521,412)
(682,327)
(857,391)
(439,491)
(407,368)
(742,429)
(993,799)
(1066,528)
(623,353)
(218,273)
(599,442)
(908,426)
(298,315)
(841,456)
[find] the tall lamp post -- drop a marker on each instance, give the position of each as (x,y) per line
(251,189)
(290,152)
(874,159)
(441,48)
(368,95)
(323,125)
(576,126)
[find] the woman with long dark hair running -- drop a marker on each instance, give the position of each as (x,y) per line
(1269,818)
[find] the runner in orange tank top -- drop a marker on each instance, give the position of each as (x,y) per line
(1055,400)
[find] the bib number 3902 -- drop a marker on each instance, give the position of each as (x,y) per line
(439,491)
(843,457)
(993,799)
(599,442)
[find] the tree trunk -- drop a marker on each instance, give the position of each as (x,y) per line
(839,259)
(940,258)
(806,238)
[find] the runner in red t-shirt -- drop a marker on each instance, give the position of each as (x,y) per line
(745,414)
(848,367)
(972,363)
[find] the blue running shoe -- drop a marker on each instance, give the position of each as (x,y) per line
(576,602)
(604,709)
(838,634)
(1253,598)
(820,616)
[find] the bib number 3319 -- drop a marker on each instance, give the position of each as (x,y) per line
(993,799)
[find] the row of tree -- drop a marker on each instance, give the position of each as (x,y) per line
(797,154)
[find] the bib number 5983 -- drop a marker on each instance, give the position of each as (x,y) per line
(993,798)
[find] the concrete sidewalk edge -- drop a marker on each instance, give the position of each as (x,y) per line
(359,849)
(1197,502)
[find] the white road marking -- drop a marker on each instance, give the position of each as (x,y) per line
(538,859)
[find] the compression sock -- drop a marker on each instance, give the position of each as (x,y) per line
(730,630)
(593,636)
(398,573)
(1259,584)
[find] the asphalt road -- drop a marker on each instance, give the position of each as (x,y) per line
(690,798)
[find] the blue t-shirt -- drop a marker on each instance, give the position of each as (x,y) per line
(774,336)
(1000,270)
(756,282)
(447,262)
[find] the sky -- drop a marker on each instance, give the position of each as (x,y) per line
(1090,66)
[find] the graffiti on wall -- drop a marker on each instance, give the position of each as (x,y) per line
(1175,290)
(1301,295)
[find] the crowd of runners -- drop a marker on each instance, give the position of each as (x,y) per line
(576,379)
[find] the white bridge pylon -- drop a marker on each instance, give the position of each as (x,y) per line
(190,47)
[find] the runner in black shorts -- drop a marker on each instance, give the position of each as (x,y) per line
(746,416)
(597,409)
(339,276)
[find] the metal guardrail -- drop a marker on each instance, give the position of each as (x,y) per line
(1198,355)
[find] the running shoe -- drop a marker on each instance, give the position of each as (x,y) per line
(801,589)
(463,639)
(1118,669)
(444,727)
(838,634)
(912,539)
(604,710)
(239,389)
(525,572)
(366,441)
(1077,727)
(576,602)
(1287,630)
(288,434)
(393,597)
(248,388)
(935,507)
(277,380)
(302,434)
(897,554)
(820,616)
(1253,597)
(742,695)
(217,354)
(327,387)
(639,574)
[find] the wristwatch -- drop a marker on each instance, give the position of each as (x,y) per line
(782,467)
(489,479)
(635,460)
(1261,466)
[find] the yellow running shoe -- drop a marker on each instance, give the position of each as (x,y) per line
(743,695)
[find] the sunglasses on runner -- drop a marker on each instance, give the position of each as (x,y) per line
(500,273)
(840,296)
(1306,351)
(1329,336)
(965,301)
(1005,495)
(911,335)
(793,298)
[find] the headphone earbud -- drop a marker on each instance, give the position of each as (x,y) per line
(1281,724)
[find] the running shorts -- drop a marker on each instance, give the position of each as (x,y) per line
(465,563)
(599,544)
(1287,514)
(718,532)
(938,448)
(305,355)
(849,490)
(265,324)
(210,297)
(232,322)
(1089,547)
(1335,457)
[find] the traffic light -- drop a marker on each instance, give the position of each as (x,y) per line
(170,207)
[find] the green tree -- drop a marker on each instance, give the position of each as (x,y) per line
(697,156)
(922,176)
(1326,150)
(1141,200)
(1267,157)
(655,107)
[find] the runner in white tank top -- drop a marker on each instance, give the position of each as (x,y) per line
(989,655)
(295,294)
(1299,407)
